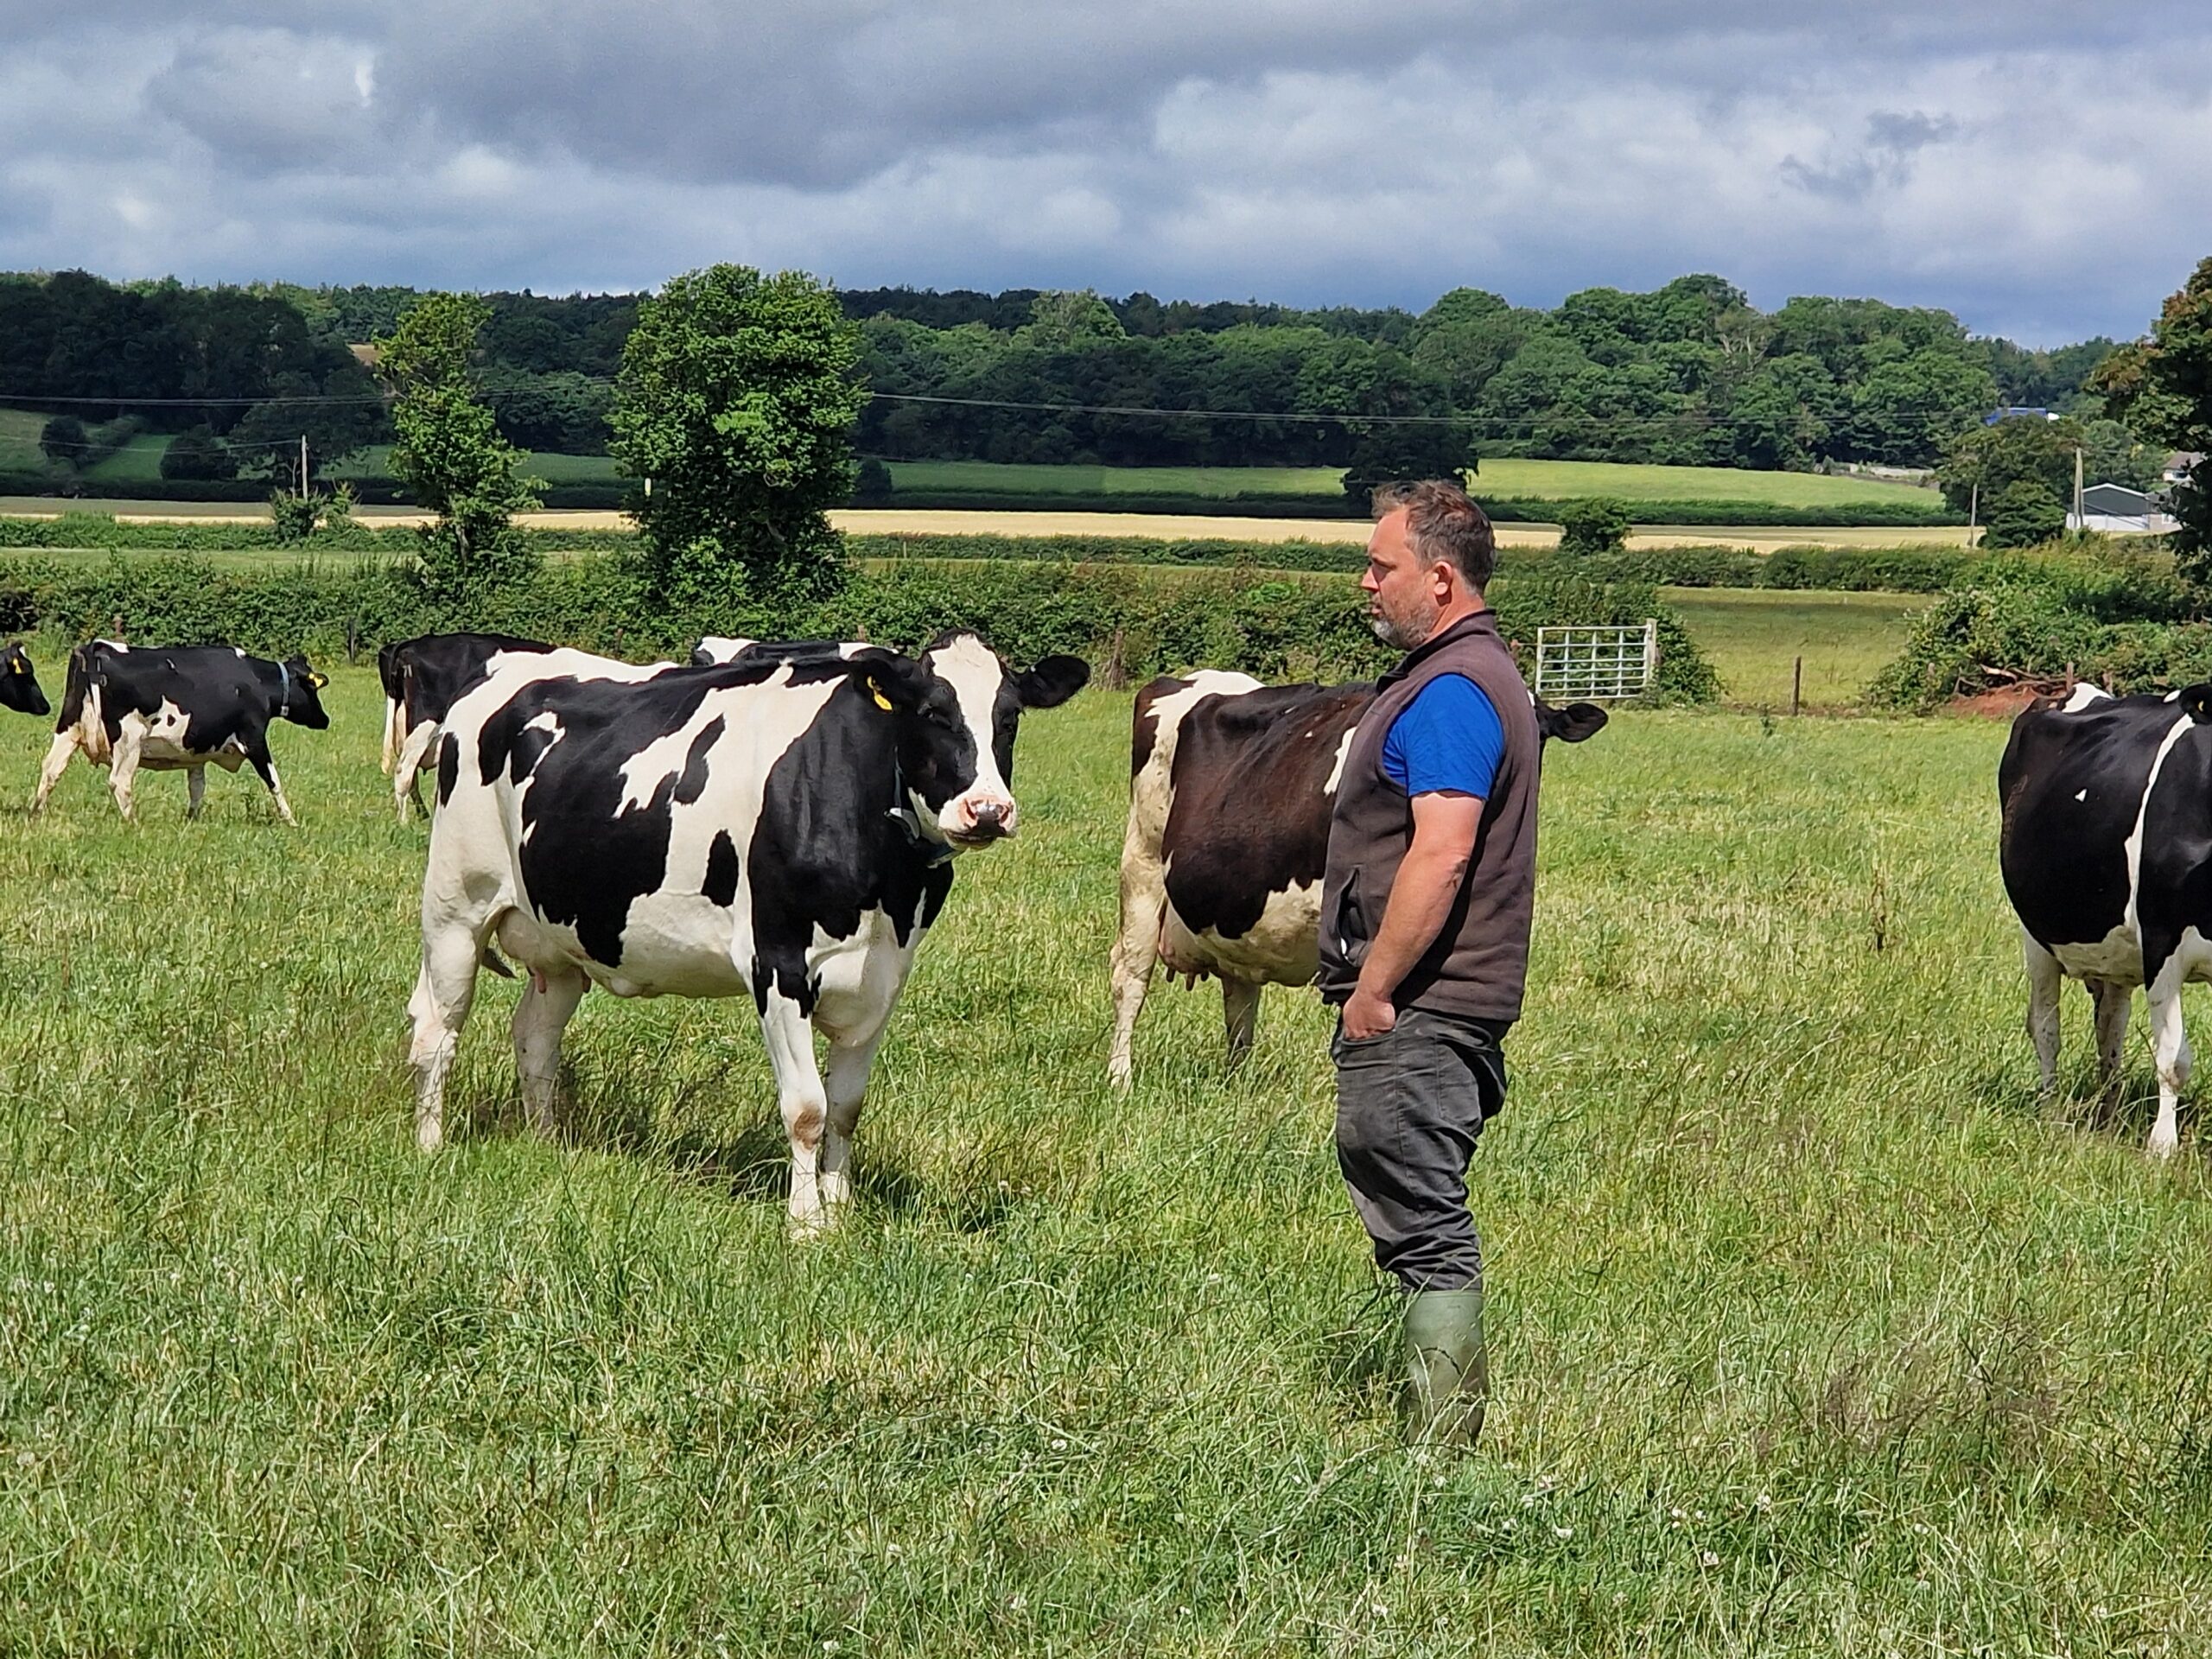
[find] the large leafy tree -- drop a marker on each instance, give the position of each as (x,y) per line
(1991,459)
(2161,388)
(736,402)
(448,452)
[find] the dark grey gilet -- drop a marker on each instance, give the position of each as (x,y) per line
(1479,962)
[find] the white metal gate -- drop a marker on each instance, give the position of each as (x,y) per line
(1596,663)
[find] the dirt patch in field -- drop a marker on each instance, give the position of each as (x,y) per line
(2002,702)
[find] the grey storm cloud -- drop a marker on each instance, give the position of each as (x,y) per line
(1945,154)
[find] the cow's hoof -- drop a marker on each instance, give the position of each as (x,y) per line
(429,1137)
(2162,1146)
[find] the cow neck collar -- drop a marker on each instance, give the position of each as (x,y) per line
(284,688)
(1482,621)
(934,853)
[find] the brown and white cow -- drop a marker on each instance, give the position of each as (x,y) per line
(1231,783)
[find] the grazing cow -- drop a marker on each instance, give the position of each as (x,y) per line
(177,708)
(2108,865)
(421,679)
(775,828)
(19,687)
(1231,783)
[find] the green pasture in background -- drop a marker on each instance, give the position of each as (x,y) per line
(1753,636)
(1813,1331)
(141,458)
(1555,479)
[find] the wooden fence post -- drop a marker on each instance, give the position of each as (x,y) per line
(1796,685)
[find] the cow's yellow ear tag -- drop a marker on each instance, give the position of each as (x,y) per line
(318,681)
(877,691)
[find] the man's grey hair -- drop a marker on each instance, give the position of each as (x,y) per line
(1442,523)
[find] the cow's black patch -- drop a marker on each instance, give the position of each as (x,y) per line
(426,676)
(830,845)
(720,887)
(2071,787)
(1249,815)
(692,783)
(448,766)
(2174,878)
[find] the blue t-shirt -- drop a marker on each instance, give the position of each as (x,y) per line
(1449,737)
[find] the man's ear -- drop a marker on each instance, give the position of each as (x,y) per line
(1051,682)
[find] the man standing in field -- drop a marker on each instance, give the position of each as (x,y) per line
(1424,913)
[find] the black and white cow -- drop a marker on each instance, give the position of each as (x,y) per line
(177,708)
(2106,848)
(1231,783)
(19,687)
(775,828)
(421,678)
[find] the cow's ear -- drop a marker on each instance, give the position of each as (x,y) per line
(2196,702)
(1572,723)
(1051,682)
(897,684)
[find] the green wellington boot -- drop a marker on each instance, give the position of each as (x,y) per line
(1447,1366)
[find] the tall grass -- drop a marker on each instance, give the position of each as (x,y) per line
(1811,1333)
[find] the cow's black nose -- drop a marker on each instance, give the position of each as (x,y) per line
(990,816)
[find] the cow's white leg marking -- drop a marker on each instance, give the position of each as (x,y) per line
(2112,1000)
(846,1087)
(196,789)
(1136,947)
(123,763)
(57,762)
(2044,979)
(267,768)
(1240,1016)
(805,1101)
(443,991)
(2170,1045)
(548,1001)
(406,771)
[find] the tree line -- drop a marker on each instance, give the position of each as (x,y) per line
(1689,373)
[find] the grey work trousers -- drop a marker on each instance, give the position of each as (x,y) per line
(1410,1103)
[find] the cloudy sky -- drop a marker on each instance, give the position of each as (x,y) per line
(2037,167)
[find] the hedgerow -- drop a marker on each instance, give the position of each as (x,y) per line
(2118,618)
(1276,624)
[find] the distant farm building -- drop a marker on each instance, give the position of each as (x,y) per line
(2017,412)
(2121,510)
(2177,466)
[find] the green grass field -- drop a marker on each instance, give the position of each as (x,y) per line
(1519,479)
(1753,635)
(19,450)
(1813,1334)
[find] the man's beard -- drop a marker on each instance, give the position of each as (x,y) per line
(1402,631)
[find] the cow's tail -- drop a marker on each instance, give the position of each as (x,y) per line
(392,666)
(76,685)
(392,736)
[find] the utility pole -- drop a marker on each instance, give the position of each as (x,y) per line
(2078,524)
(1973,513)
(303,466)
